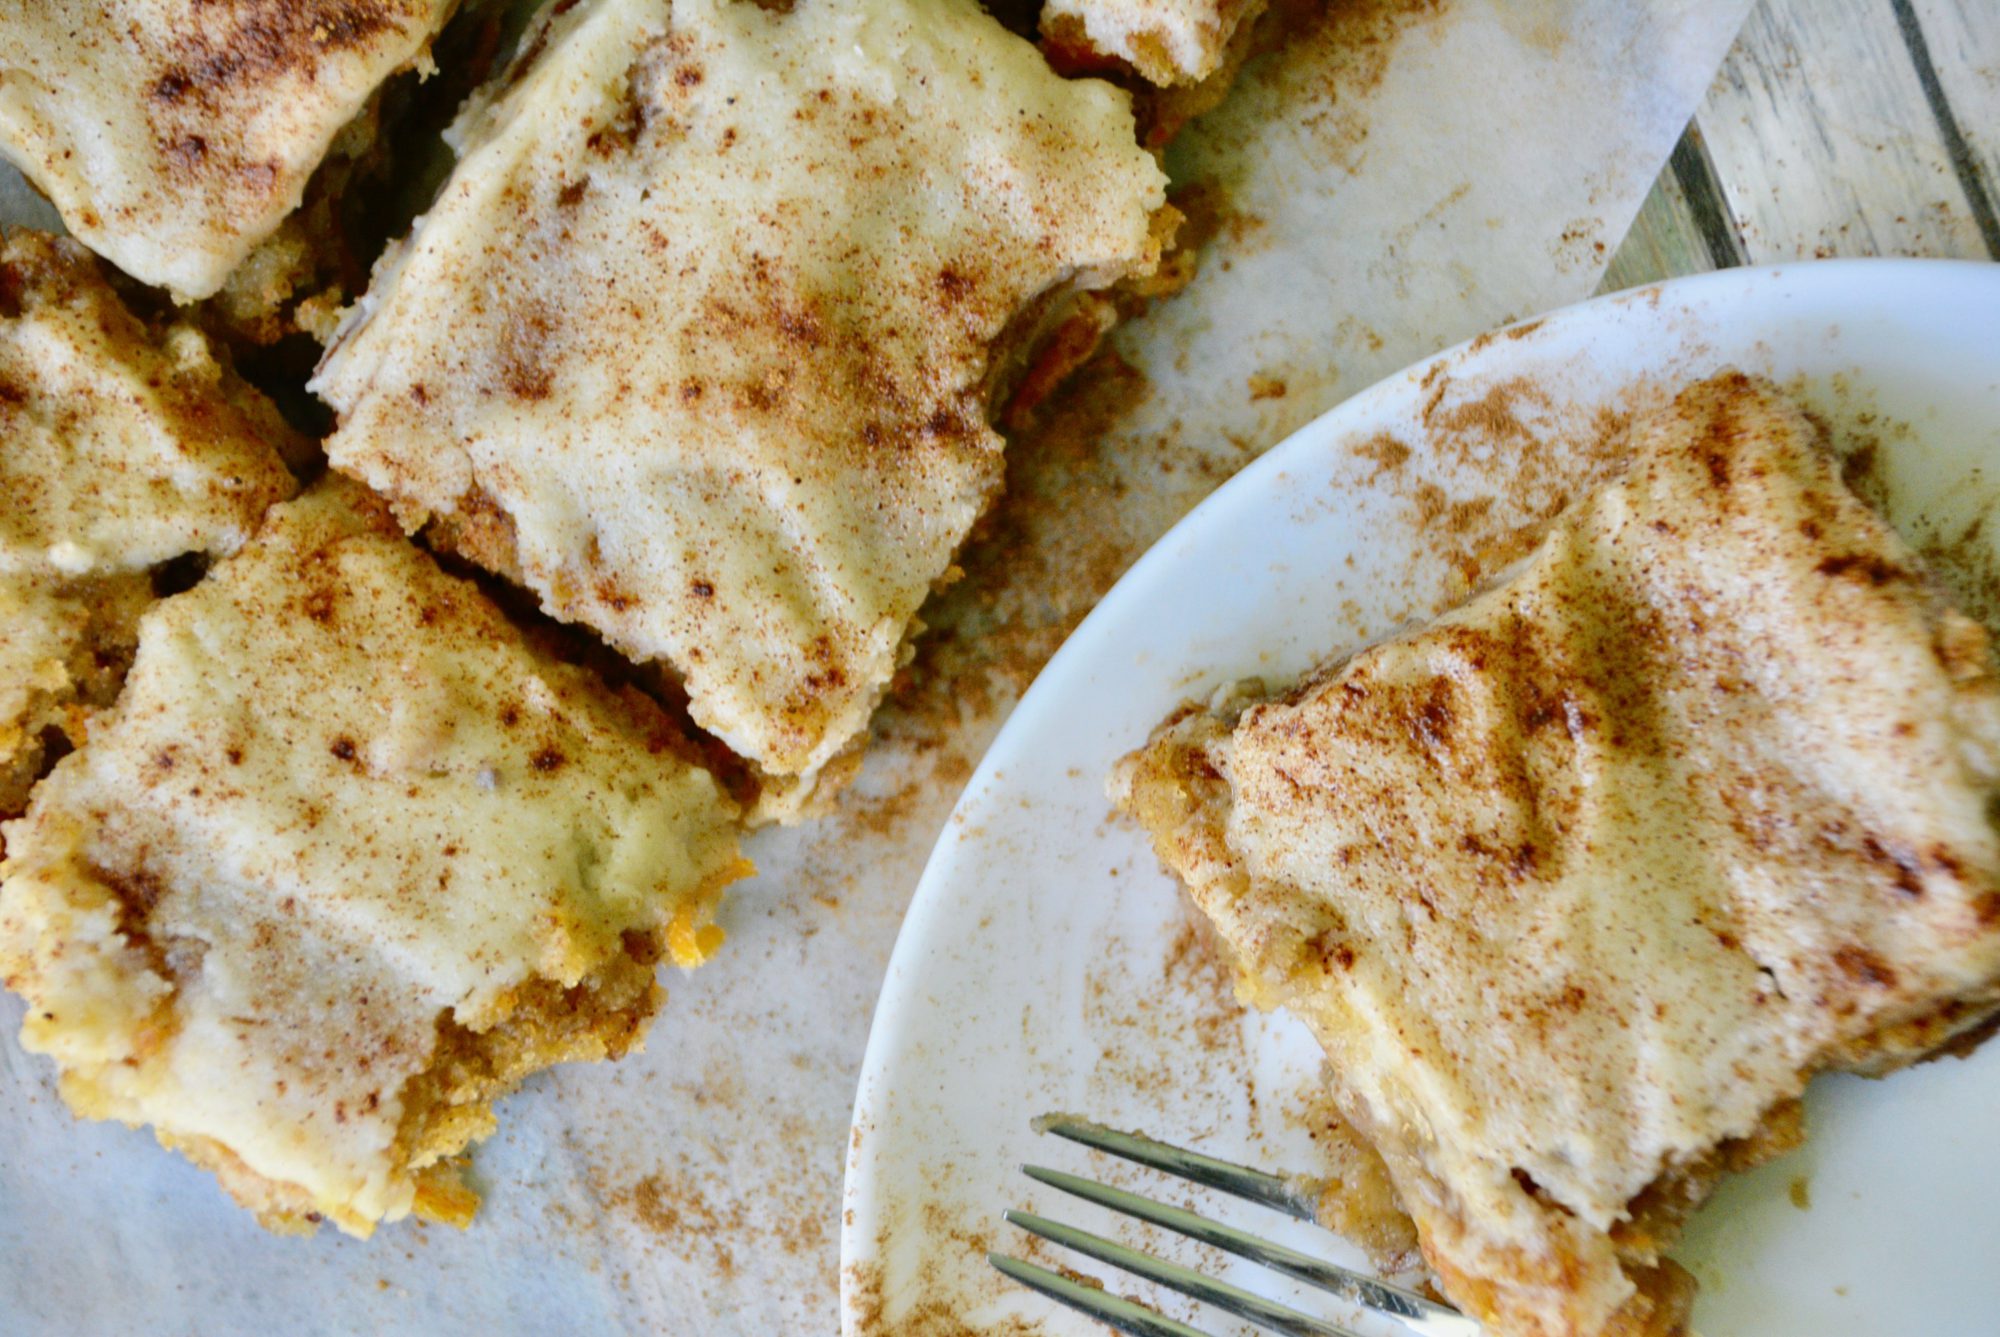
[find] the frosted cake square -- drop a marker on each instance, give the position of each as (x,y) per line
(348,859)
(1578,885)
(701,339)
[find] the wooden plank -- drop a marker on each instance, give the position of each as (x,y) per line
(1684,227)
(1665,241)
(1825,143)
(1963,41)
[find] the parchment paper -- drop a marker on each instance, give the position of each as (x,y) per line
(1400,177)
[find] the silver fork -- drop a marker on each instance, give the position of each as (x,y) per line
(1293,1196)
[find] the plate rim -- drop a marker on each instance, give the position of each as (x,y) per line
(898,980)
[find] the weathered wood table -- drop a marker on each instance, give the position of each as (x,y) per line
(1835,128)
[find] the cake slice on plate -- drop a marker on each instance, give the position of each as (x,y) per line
(1578,885)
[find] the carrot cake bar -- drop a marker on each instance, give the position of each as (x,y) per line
(175,135)
(121,450)
(347,860)
(700,340)
(1578,885)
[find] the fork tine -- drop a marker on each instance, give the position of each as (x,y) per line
(1294,1195)
(1120,1313)
(1417,1313)
(1187,1281)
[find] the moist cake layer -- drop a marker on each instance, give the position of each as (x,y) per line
(347,858)
(1581,882)
(1167,41)
(65,646)
(699,341)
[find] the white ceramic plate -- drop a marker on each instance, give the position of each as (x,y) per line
(1045,962)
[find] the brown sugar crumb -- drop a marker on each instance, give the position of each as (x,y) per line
(1386,451)
(1865,966)
(677,1210)
(1862,566)
(1267,387)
